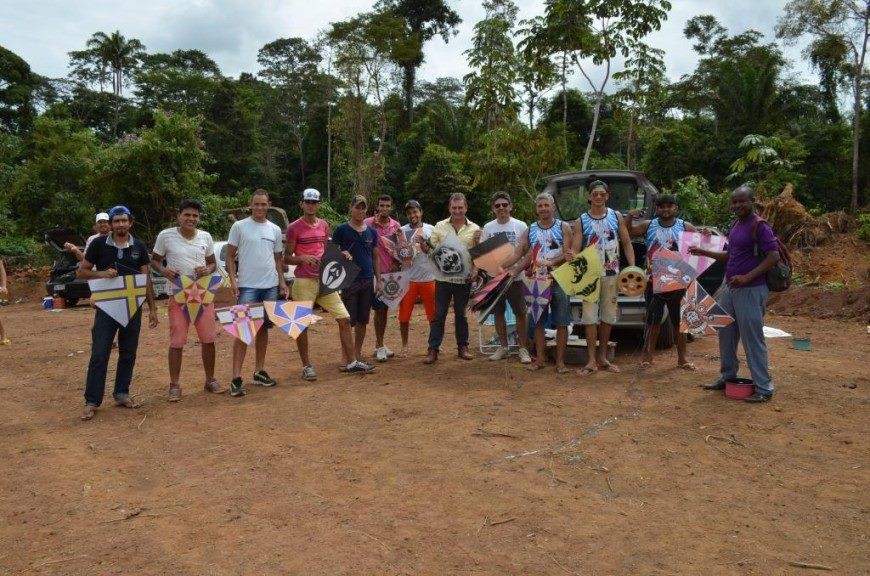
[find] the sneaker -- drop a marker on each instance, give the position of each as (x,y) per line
(381,354)
(174,392)
(262,378)
(525,357)
(359,368)
(390,353)
(123,401)
(237,387)
(499,354)
(758,397)
(308,373)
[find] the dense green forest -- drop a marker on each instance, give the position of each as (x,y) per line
(345,112)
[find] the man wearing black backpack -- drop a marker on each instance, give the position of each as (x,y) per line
(753,250)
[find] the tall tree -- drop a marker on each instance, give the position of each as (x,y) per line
(837,23)
(490,85)
(17,84)
(183,81)
(422,21)
(642,83)
(108,56)
(536,71)
(290,68)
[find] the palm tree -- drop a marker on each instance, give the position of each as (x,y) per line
(117,56)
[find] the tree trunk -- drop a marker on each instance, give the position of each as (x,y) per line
(300,145)
(408,88)
(565,106)
(857,84)
(532,112)
(599,96)
(629,148)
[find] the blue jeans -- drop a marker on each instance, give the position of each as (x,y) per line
(257,295)
(746,306)
(557,314)
(102,335)
(444,292)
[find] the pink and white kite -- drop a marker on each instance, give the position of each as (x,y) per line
(706,241)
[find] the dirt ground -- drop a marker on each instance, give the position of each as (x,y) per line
(464,467)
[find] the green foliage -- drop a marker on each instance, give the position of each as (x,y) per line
(152,171)
(769,162)
(23,251)
(17,84)
(213,218)
(438,175)
(699,205)
(864,227)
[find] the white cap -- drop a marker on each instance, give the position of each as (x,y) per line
(102,216)
(311,194)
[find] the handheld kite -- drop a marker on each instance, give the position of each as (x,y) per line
(194,293)
(537,292)
(706,241)
(670,272)
(396,285)
(336,271)
(119,297)
(700,314)
(292,318)
(243,321)
(582,275)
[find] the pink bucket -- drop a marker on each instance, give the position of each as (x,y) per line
(739,388)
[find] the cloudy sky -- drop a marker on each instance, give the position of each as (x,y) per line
(231,31)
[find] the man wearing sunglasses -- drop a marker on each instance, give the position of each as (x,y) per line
(514,229)
(110,256)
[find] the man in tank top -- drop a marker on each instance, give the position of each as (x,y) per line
(605,229)
(663,231)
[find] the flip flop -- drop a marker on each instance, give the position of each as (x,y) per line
(611,368)
(534,367)
(88,412)
(586,371)
(562,369)
(688,366)
(646,364)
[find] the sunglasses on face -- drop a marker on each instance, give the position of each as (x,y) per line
(501,205)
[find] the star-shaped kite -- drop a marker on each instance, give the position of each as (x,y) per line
(242,321)
(194,293)
(119,297)
(292,318)
(700,314)
(537,293)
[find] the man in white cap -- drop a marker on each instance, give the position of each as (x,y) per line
(101,228)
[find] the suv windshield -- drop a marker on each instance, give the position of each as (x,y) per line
(572,198)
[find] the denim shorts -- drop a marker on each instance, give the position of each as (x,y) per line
(357,299)
(252,295)
(558,311)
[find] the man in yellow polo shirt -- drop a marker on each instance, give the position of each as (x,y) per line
(454,280)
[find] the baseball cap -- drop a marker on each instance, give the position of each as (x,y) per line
(358,199)
(119,210)
(413,204)
(101,216)
(598,185)
(311,194)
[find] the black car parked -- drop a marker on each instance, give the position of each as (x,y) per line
(629,190)
(62,280)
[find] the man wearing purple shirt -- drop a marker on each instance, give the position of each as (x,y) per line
(752,251)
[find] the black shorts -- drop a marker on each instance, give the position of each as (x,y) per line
(656,304)
(357,298)
(514,297)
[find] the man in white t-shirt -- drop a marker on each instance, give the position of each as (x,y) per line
(188,251)
(421,273)
(514,229)
(259,246)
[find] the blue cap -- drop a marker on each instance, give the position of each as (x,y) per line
(119,210)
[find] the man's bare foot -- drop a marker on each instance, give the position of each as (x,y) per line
(404,352)
(534,366)
(607,366)
(562,369)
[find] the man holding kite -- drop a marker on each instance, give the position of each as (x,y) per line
(421,272)
(306,242)
(514,230)
(116,255)
(663,231)
(752,251)
(605,229)
(258,277)
(190,266)
(543,247)
(386,227)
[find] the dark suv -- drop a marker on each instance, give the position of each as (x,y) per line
(62,279)
(628,191)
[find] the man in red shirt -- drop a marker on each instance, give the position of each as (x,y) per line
(386,227)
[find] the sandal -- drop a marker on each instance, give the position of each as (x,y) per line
(688,366)
(534,367)
(213,387)
(645,365)
(124,402)
(586,371)
(611,368)
(174,392)
(5,342)
(562,369)
(88,412)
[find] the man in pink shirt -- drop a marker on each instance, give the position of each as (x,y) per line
(306,241)
(386,227)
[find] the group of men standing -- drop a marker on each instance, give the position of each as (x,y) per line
(258,253)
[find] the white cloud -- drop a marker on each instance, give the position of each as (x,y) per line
(231,31)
